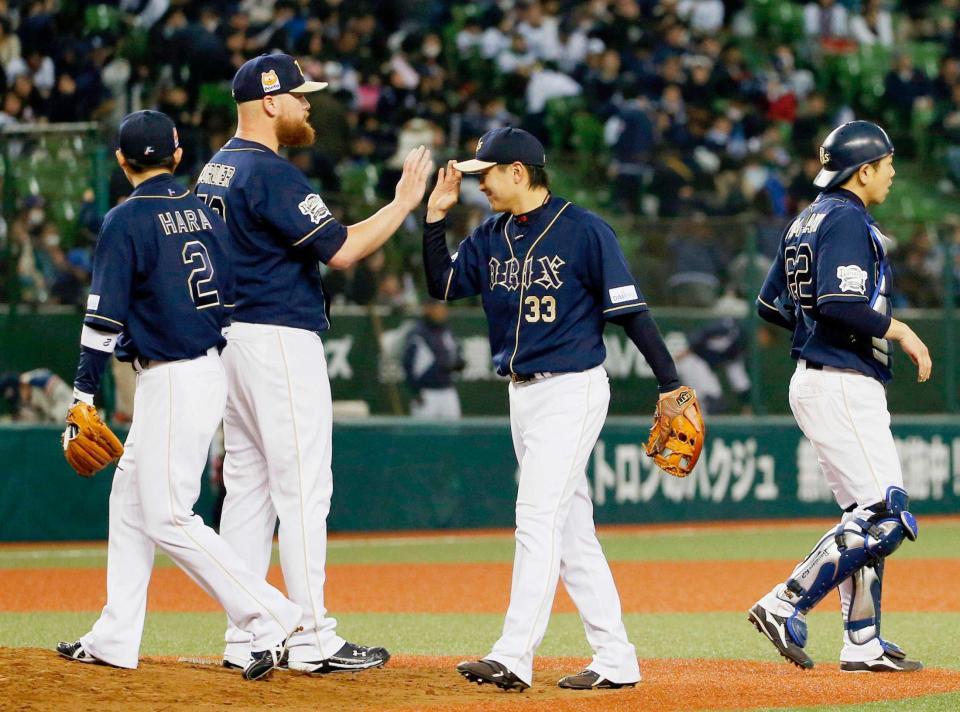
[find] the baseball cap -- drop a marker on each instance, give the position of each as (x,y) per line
(504,146)
(271,74)
(147,137)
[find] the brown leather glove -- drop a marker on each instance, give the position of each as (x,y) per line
(88,444)
(677,435)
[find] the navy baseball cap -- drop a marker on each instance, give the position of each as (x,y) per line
(271,74)
(147,137)
(504,146)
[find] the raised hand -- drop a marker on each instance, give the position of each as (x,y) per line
(413,181)
(445,194)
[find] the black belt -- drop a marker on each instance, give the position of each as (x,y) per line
(527,377)
(813,365)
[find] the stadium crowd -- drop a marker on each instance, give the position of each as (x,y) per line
(695,109)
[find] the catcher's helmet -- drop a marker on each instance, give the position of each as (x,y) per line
(847,148)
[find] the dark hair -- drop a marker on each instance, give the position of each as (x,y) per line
(538,176)
(138,167)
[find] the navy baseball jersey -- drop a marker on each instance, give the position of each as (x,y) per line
(832,252)
(548,280)
(161,274)
(280,231)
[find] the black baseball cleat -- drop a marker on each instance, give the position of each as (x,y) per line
(350,658)
(885,663)
(774,627)
(264,662)
(590,680)
(481,671)
(75,651)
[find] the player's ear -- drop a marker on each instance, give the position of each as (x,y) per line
(177,157)
(121,161)
(270,106)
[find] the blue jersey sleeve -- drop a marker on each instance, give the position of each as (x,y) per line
(466,269)
(774,294)
(289,204)
(609,275)
(845,258)
(114,265)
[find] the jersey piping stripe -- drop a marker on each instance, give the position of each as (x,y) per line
(312,231)
(105,318)
(449,280)
(625,306)
(159,197)
(856,433)
(768,306)
(235,150)
(303,530)
(845,296)
(526,260)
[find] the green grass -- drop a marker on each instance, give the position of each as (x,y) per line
(929,636)
(938,539)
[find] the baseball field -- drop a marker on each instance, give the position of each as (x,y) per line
(434,599)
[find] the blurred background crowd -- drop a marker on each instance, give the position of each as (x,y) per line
(691,125)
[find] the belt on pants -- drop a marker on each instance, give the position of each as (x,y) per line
(812,365)
(527,377)
(141,363)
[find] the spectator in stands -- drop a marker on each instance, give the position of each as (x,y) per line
(947,126)
(826,20)
(431,356)
(872,25)
(903,85)
(704,17)
(948,76)
(36,67)
(918,266)
(37,396)
(541,30)
(9,45)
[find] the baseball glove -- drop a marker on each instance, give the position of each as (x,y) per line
(676,437)
(88,444)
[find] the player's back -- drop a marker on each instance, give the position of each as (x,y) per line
(831,254)
(161,273)
(273,217)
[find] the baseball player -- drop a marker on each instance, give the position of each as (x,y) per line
(278,421)
(550,275)
(161,282)
(830,285)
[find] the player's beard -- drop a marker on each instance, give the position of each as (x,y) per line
(294,131)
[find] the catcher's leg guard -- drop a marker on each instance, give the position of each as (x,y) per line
(864,537)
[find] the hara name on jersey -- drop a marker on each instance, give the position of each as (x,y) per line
(176,222)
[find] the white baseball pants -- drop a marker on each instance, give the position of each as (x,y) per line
(555,424)
(844,415)
(278,432)
(178,406)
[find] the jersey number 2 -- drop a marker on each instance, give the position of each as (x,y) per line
(195,254)
(798,262)
(541,309)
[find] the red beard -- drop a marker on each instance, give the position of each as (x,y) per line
(294,132)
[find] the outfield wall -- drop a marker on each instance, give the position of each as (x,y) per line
(391,474)
(364,349)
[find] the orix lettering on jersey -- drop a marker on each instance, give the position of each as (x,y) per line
(546,289)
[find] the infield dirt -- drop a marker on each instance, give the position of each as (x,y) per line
(430,684)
